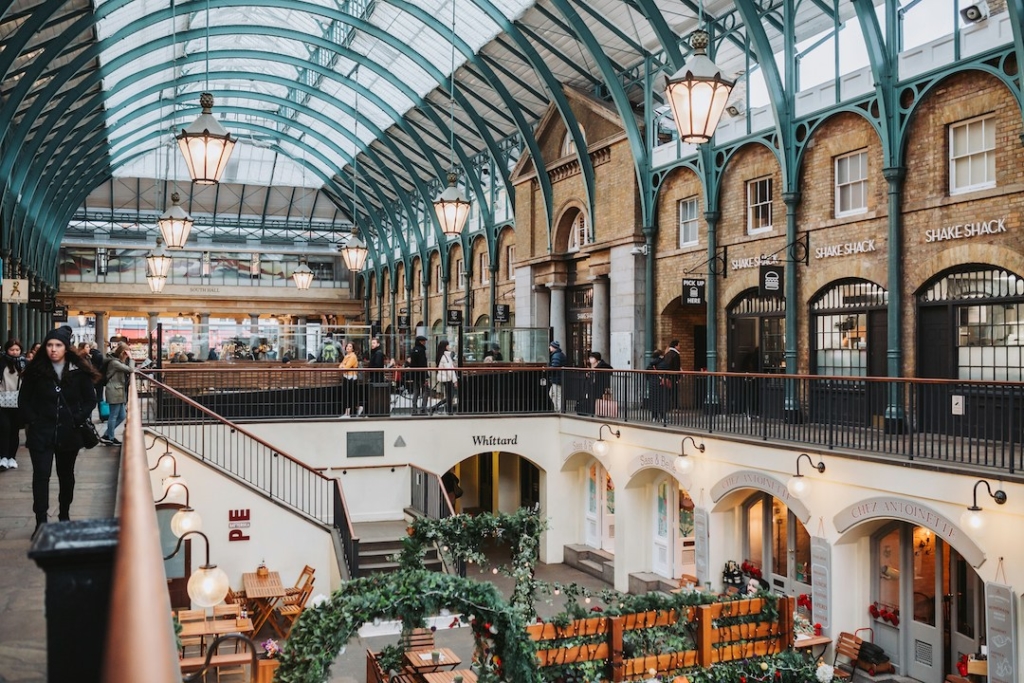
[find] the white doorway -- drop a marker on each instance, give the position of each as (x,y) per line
(599,512)
(664,527)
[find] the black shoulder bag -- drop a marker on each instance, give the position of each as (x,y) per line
(87,430)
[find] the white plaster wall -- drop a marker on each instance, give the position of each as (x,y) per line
(285,540)
(626,309)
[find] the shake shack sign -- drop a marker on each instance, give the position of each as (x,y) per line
(693,291)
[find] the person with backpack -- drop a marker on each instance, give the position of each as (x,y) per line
(330,352)
(117,371)
(12,364)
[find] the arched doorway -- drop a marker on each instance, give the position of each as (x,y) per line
(929,601)
(179,567)
(778,543)
(757,343)
(672,553)
(497,481)
(970,327)
(599,509)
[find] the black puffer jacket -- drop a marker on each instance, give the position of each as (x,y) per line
(52,409)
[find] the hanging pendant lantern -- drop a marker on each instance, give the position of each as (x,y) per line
(698,93)
(206,145)
(452,207)
(158,262)
(156,283)
(302,276)
(175,224)
(354,252)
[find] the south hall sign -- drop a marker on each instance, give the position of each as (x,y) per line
(892,507)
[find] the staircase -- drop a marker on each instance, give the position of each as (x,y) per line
(380,541)
(597,563)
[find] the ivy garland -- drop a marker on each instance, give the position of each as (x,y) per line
(504,652)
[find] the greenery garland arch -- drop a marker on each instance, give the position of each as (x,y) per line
(504,650)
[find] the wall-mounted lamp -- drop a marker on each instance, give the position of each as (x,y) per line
(207,586)
(798,484)
(172,478)
(639,250)
(185,519)
(601,446)
(683,462)
(971,518)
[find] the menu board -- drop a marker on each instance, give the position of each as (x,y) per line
(821,579)
(1001,633)
(700,544)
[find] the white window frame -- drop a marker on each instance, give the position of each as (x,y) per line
(850,182)
(689,219)
(754,203)
(986,152)
(579,234)
(569,145)
(460,275)
(510,260)
(437,278)
(485,269)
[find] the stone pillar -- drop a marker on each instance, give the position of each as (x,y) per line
(300,338)
(541,307)
(155,352)
(558,313)
(78,560)
(202,333)
(102,339)
(602,310)
(254,324)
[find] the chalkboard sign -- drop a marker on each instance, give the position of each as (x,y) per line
(365,444)
(1001,633)
(700,544)
(821,578)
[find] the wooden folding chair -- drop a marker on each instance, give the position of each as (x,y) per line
(417,639)
(848,645)
(227,611)
(190,615)
(289,610)
(305,576)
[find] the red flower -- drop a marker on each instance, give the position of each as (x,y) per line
(873,610)
(596,608)
(743,679)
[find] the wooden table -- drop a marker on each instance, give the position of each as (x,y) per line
(421,662)
(215,627)
(264,592)
(812,642)
(449,676)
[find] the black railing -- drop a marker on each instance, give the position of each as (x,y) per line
(429,498)
(232,449)
(343,523)
(965,422)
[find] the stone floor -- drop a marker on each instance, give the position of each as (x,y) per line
(22,622)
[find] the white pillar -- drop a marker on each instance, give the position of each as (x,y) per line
(558,312)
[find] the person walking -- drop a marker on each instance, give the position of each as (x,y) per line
(667,384)
(597,383)
(350,380)
(446,376)
(556,359)
(418,359)
(119,371)
(57,395)
(12,365)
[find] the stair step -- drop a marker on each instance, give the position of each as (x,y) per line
(596,566)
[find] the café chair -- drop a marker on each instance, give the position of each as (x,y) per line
(289,610)
(305,576)
(418,639)
(190,615)
(227,611)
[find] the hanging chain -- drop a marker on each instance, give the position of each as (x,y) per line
(451,90)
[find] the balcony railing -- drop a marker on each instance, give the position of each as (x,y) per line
(972,423)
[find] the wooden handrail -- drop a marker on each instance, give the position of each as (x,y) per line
(140,637)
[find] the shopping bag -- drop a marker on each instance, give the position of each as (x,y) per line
(104,410)
(606,406)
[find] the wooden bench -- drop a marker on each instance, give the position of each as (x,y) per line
(193,664)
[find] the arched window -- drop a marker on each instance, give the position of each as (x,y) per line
(569,145)
(579,234)
(847,317)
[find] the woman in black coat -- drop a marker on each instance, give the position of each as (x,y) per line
(57,394)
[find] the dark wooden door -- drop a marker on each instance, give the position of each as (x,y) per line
(529,484)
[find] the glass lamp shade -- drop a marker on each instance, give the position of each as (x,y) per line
(172,481)
(156,283)
(452,207)
(302,276)
(206,145)
(798,485)
(166,465)
(158,262)
(684,464)
(184,520)
(972,519)
(698,93)
(208,586)
(175,224)
(354,252)
(601,447)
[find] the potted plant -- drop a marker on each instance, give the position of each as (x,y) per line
(390,658)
